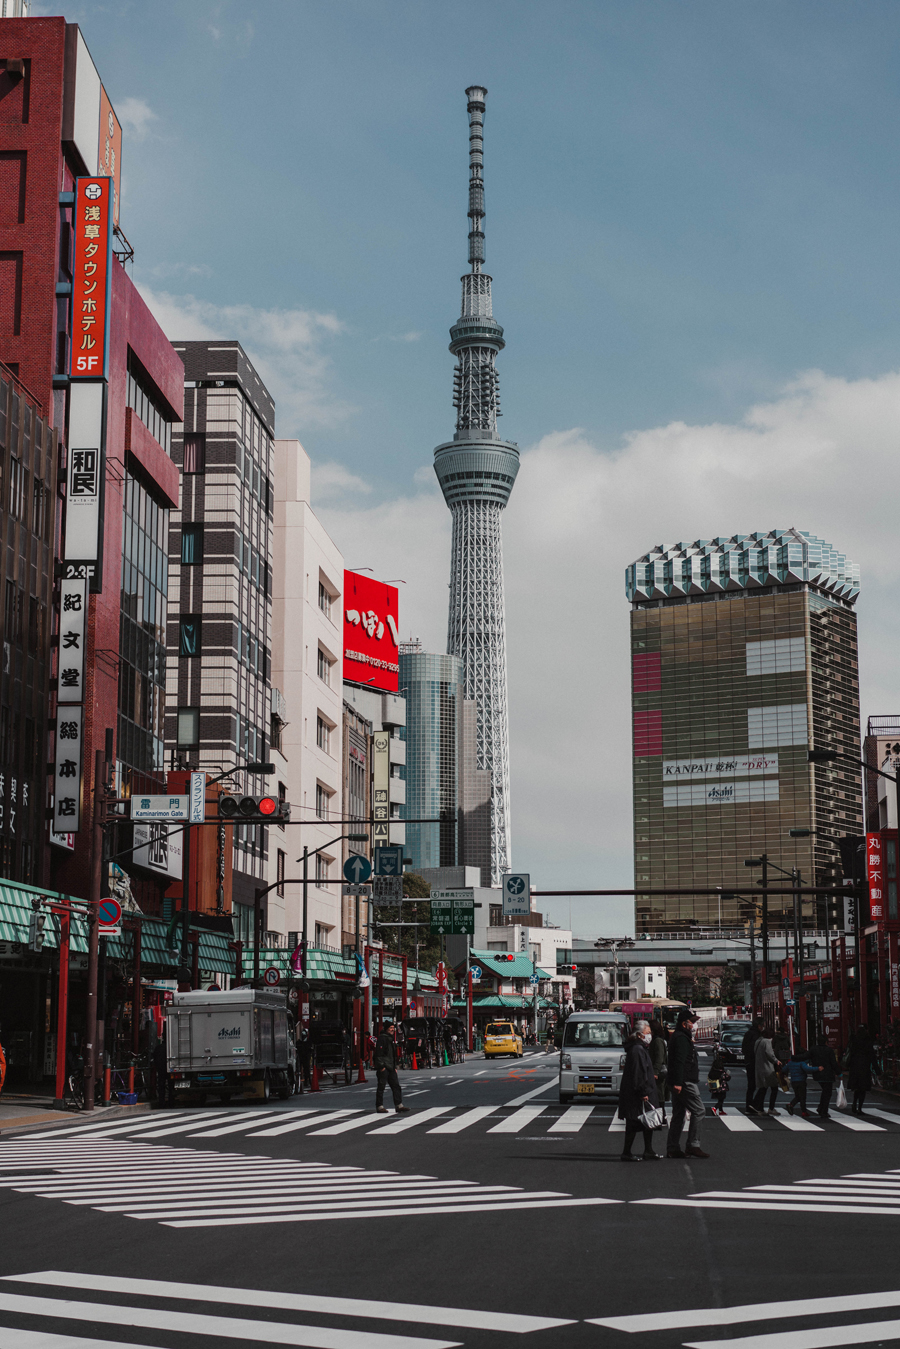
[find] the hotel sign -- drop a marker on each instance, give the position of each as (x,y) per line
(91,276)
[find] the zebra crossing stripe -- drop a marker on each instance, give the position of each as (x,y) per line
(882,1114)
(410,1121)
(456,1126)
(115,1125)
(419,1210)
(797,1124)
(182,1127)
(306,1120)
(516,1121)
(219,1327)
(574,1119)
(344,1126)
(864,1333)
(236,1126)
(855,1123)
(753,1311)
(739,1124)
(41,1339)
(616,1124)
(515,1323)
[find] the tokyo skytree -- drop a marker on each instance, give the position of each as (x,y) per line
(476,470)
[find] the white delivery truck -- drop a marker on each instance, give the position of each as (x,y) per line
(238,1042)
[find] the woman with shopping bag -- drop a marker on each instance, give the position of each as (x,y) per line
(639,1096)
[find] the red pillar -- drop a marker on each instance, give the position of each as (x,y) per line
(62,1009)
(470,1029)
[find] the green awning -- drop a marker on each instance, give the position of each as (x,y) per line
(323,965)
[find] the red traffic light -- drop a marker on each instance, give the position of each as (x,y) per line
(267,805)
(567,969)
(252,807)
(505,956)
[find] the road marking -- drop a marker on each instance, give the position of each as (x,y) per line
(798,1124)
(507,1207)
(739,1124)
(864,1333)
(518,1120)
(462,1317)
(882,1114)
(616,1125)
(743,1202)
(237,1126)
(41,1339)
(456,1126)
(447,1196)
(182,1128)
(225,1327)
(855,1123)
(573,1119)
(481,1072)
(751,1311)
(401,1124)
(345,1126)
(315,1116)
(535,1091)
(144,1122)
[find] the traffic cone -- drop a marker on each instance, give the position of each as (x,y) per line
(361,1077)
(415,1065)
(446,1060)
(315,1078)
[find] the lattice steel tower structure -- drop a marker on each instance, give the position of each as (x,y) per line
(476,470)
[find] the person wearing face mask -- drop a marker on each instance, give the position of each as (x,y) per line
(638,1093)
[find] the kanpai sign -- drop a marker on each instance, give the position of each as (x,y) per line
(91,273)
(371,633)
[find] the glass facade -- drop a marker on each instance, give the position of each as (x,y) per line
(142,642)
(432,733)
(729,690)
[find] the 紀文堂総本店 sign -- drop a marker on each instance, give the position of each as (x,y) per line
(453,913)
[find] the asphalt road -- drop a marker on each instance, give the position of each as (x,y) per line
(316,1222)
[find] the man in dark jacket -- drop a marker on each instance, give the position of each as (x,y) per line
(748,1049)
(684,1080)
(826,1059)
(385,1059)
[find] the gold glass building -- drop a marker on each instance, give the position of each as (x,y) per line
(744,656)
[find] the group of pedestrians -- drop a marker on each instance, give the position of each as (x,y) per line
(657,1070)
(772,1064)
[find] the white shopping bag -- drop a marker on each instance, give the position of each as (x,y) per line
(841,1097)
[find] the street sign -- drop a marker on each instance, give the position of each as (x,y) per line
(516,893)
(356,889)
(387,889)
(198,798)
(272,977)
(475,972)
(534,979)
(453,912)
(389,861)
(357,869)
(109,915)
(159,808)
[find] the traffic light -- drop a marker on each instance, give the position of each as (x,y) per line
(567,969)
(36,930)
(505,955)
(253,808)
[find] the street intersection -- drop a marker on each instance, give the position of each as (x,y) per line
(316,1222)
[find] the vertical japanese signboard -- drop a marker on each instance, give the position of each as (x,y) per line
(67,772)
(109,150)
(72,633)
(875,873)
(381,786)
(91,276)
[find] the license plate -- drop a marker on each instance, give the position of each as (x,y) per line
(183,1086)
(585,1088)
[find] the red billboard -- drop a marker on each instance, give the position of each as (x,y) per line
(371,633)
(91,270)
(875,872)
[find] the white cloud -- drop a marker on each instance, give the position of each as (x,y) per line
(285,345)
(821,456)
(136,116)
(331,480)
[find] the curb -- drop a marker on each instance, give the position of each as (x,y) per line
(56,1119)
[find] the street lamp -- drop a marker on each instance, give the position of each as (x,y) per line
(614,944)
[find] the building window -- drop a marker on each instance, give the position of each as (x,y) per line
(145,400)
(275,729)
(13,610)
(323,735)
(16,488)
(325,600)
(279,873)
(496,917)
(322,865)
(324,667)
(194,454)
(190,636)
(323,798)
(188,727)
(191,545)
(39,508)
(321,936)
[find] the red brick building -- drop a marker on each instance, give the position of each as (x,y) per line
(56,125)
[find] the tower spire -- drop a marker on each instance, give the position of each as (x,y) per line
(476,471)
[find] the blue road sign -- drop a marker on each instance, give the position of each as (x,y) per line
(357,869)
(535,979)
(476,972)
(389,861)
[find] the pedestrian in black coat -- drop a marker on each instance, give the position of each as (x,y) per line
(638,1092)
(748,1049)
(824,1057)
(860,1061)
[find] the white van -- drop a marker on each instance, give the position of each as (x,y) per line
(592,1054)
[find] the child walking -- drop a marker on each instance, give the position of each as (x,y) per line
(717,1080)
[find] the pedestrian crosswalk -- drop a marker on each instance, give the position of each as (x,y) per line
(869,1192)
(819,1327)
(49,1298)
(181,1187)
(492,1121)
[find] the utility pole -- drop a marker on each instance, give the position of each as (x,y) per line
(93,919)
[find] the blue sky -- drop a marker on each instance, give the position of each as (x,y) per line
(690,208)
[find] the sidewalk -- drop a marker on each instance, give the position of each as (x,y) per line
(21,1111)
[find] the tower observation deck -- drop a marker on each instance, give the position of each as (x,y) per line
(476,471)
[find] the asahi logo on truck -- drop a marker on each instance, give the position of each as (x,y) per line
(232,1034)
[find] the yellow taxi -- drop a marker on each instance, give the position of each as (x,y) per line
(500,1038)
